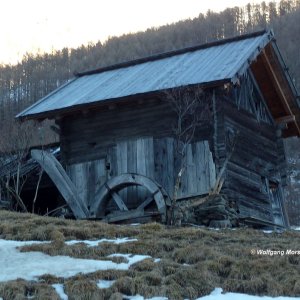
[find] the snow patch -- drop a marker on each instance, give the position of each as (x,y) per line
(295,228)
(105,284)
(268,231)
(132,259)
(96,242)
(138,297)
(59,288)
(216,294)
(30,265)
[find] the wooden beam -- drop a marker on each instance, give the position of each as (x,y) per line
(55,129)
(62,181)
(278,87)
(119,201)
(146,202)
(125,215)
(286,119)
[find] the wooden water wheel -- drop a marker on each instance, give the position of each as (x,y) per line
(155,204)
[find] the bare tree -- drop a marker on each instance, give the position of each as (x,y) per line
(191,107)
(14,147)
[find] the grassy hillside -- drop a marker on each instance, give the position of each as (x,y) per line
(193,261)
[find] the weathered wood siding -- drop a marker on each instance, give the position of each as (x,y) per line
(255,159)
(88,136)
(154,158)
(136,138)
(88,177)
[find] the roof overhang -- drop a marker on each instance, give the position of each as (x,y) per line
(278,89)
(205,66)
(110,103)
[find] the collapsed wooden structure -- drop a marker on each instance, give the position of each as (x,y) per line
(32,182)
(118,146)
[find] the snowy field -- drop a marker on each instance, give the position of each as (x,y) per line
(30,265)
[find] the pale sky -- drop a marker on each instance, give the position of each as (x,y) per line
(43,25)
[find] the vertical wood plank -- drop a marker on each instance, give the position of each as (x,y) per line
(141,163)
(90,179)
(170,166)
(122,157)
(132,168)
(200,168)
(205,167)
(122,165)
(111,160)
(158,146)
(149,157)
(145,161)
(100,177)
(77,174)
(212,169)
(191,170)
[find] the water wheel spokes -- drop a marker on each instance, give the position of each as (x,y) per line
(112,190)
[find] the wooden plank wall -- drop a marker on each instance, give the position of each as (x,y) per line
(88,177)
(199,176)
(133,137)
(88,136)
(154,158)
(255,158)
(137,137)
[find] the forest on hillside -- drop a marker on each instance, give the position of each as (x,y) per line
(39,74)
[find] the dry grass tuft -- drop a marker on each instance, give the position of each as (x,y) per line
(124,285)
(57,239)
(83,289)
(116,296)
(145,265)
(20,289)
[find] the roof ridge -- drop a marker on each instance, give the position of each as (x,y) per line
(171,53)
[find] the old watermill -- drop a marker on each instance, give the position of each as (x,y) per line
(117,137)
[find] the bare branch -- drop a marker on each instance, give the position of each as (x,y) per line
(36,190)
(192,110)
(14,147)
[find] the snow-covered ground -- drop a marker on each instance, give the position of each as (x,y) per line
(30,265)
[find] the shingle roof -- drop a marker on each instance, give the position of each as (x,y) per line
(211,63)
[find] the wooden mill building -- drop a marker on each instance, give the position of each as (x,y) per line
(116,120)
